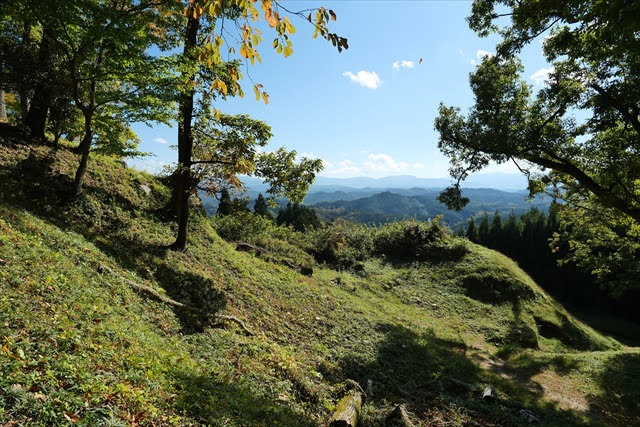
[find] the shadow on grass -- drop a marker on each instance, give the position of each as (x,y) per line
(620,396)
(213,402)
(411,368)
(97,215)
(427,374)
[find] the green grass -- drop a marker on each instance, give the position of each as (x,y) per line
(79,345)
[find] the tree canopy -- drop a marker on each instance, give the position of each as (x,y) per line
(583,126)
(578,137)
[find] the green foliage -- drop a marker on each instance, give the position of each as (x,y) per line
(242,226)
(79,343)
(260,206)
(409,240)
(300,217)
(341,243)
(591,157)
(603,242)
(224,205)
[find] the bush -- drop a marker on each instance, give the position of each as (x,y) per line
(341,243)
(281,243)
(410,239)
(242,226)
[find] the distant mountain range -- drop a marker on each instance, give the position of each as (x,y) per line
(394,198)
(421,204)
(500,181)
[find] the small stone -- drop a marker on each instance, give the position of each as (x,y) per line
(146,189)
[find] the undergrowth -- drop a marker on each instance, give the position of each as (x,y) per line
(79,345)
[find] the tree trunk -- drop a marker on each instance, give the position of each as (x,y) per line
(84,148)
(3,107)
(37,117)
(23,92)
(182,189)
(398,418)
(348,411)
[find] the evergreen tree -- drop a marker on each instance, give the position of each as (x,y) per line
(483,230)
(224,207)
(472,233)
(260,207)
(495,232)
(510,234)
(300,217)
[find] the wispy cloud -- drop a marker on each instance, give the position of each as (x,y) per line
(160,140)
(373,164)
(541,76)
(368,79)
(403,64)
(479,55)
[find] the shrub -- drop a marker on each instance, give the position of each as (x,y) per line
(341,243)
(409,239)
(242,226)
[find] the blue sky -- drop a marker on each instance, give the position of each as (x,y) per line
(360,113)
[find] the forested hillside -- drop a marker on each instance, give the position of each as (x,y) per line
(123,302)
(102,324)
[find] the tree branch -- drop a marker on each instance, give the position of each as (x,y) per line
(622,109)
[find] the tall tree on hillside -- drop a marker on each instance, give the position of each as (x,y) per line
(483,229)
(260,206)
(204,54)
(583,126)
(594,50)
(110,71)
(224,204)
(472,233)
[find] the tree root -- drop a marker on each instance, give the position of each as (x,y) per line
(150,292)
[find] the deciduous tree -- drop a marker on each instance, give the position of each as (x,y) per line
(203,52)
(593,47)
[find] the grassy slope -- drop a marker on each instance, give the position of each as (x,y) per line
(79,345)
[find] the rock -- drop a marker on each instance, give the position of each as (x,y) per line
(145,188)
(529,416)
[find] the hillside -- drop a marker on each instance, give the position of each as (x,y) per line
(83,344)
(395,205)
(383,205)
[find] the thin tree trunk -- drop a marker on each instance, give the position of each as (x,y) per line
(85,147)
(182,189)
(23,92)
(3,107)
(37,117)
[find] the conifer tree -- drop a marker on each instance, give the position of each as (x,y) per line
(472,233)
(260,207)
(483,230)
(224,206)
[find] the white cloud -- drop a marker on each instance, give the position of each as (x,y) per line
(381,162)
(403,64)
(368,79)
(160,140)
(479,55)
(342,168)
(374,164)
(541,76)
